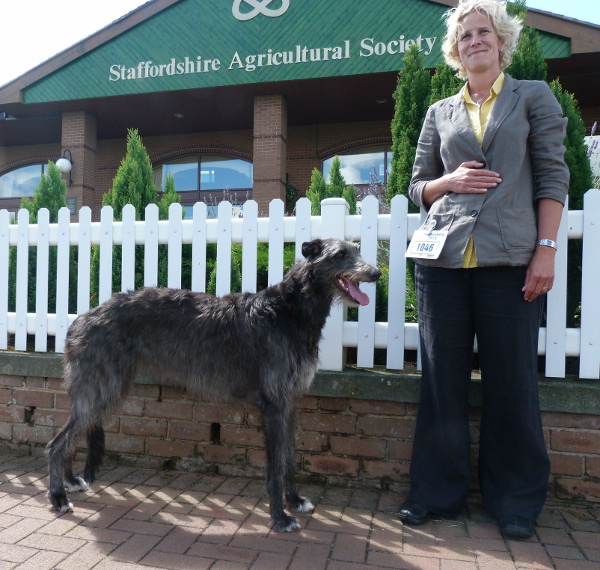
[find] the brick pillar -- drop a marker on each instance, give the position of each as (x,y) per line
(79,135)
(270,150)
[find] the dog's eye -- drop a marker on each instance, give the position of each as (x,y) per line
(341,254)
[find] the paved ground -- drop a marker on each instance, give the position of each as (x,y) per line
(140,519)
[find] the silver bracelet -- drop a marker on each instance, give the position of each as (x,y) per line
(548,242)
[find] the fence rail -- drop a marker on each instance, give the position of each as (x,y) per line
(375,231)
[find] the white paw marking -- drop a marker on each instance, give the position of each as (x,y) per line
(66,508)
(80,486)
(305,507)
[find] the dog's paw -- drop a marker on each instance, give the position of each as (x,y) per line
(80,485)
(60,502)
(68,508)
(286,524)
(303,505)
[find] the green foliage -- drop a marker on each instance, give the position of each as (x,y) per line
(528,61)
(50,194)
(134,185)
(411,103)
(337,188)
(291,197)
(444,83)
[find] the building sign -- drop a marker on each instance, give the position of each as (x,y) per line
(203,43)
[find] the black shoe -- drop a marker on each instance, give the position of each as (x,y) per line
(413,513)
(512,526)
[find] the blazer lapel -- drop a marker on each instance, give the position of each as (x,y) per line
(458,116)
(507,99)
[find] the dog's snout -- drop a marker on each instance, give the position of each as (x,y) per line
(375,274)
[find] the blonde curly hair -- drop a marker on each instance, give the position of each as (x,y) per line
(506,27)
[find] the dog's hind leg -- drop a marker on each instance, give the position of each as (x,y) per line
(296,503)
(273,420)
(95,441)
(60,454)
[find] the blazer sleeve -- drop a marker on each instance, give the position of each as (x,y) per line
(428,163)
(546,137)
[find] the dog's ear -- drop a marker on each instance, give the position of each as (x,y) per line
(312,249)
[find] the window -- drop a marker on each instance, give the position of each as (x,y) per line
(207,178)
(18,184)
(364,167)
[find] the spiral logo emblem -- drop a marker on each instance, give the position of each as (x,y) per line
(258,7)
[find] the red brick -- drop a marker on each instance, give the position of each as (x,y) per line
(575,441)
(581,421)
(125,443)
(133,407)
(566,464)
(139,426)
(12,414)
(575,488)
(333,404)
(6,380)
(309,403)
(400,450)
(592,467)
(5,396)
(257,458)
(146,391)
(62,402)
(24,433)
(222,454)
(51,418)
(311,441)
(169,448)
(360,446)
(195,431)
(173,392)
(34,398)
(233,435)
(219,413)
(329,423)
(55,384)
(375,407)
(328,465)
(35,382)
(175,410)
(387,469)
(386,427)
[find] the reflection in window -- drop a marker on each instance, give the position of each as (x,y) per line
(207,178)
(363,166)
(21,182)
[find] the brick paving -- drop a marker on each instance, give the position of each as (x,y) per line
(143,519)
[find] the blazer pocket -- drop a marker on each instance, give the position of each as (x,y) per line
(442,221)
(518,227)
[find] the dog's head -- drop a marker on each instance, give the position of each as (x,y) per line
(338,264)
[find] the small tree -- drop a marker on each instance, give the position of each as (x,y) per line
(412,101)
(337,188)
(50,194)
(134,185)
(444,83)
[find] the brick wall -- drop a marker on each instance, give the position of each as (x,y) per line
(341,441)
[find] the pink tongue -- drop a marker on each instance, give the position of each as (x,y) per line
(357,294)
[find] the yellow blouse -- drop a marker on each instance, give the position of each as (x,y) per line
(479,117)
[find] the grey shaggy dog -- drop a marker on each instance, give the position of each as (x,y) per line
(262,347)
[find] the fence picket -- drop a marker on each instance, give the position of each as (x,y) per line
(63,278)
(397,282)
(366,314)
(4,272)
(151,246)
(223,284)
(175,245)
(250,246)
(276,213)
(199,247)
(589,364)
(41,280)
(128,248)
(84,265)
(106,254)
(22,288)
(303,225)
(556,319)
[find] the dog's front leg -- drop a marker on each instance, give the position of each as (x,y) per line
(273,421)
(296,503)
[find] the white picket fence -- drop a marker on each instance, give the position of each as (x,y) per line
(370,228)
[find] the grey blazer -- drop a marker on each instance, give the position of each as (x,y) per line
(523,142)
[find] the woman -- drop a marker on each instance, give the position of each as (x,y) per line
(490,173)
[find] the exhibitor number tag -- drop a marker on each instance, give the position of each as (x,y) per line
(426,244)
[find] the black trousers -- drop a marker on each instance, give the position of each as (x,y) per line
(454,306)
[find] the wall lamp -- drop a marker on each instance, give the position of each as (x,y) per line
(65,164)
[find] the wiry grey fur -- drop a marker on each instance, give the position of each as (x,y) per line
(262,347)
